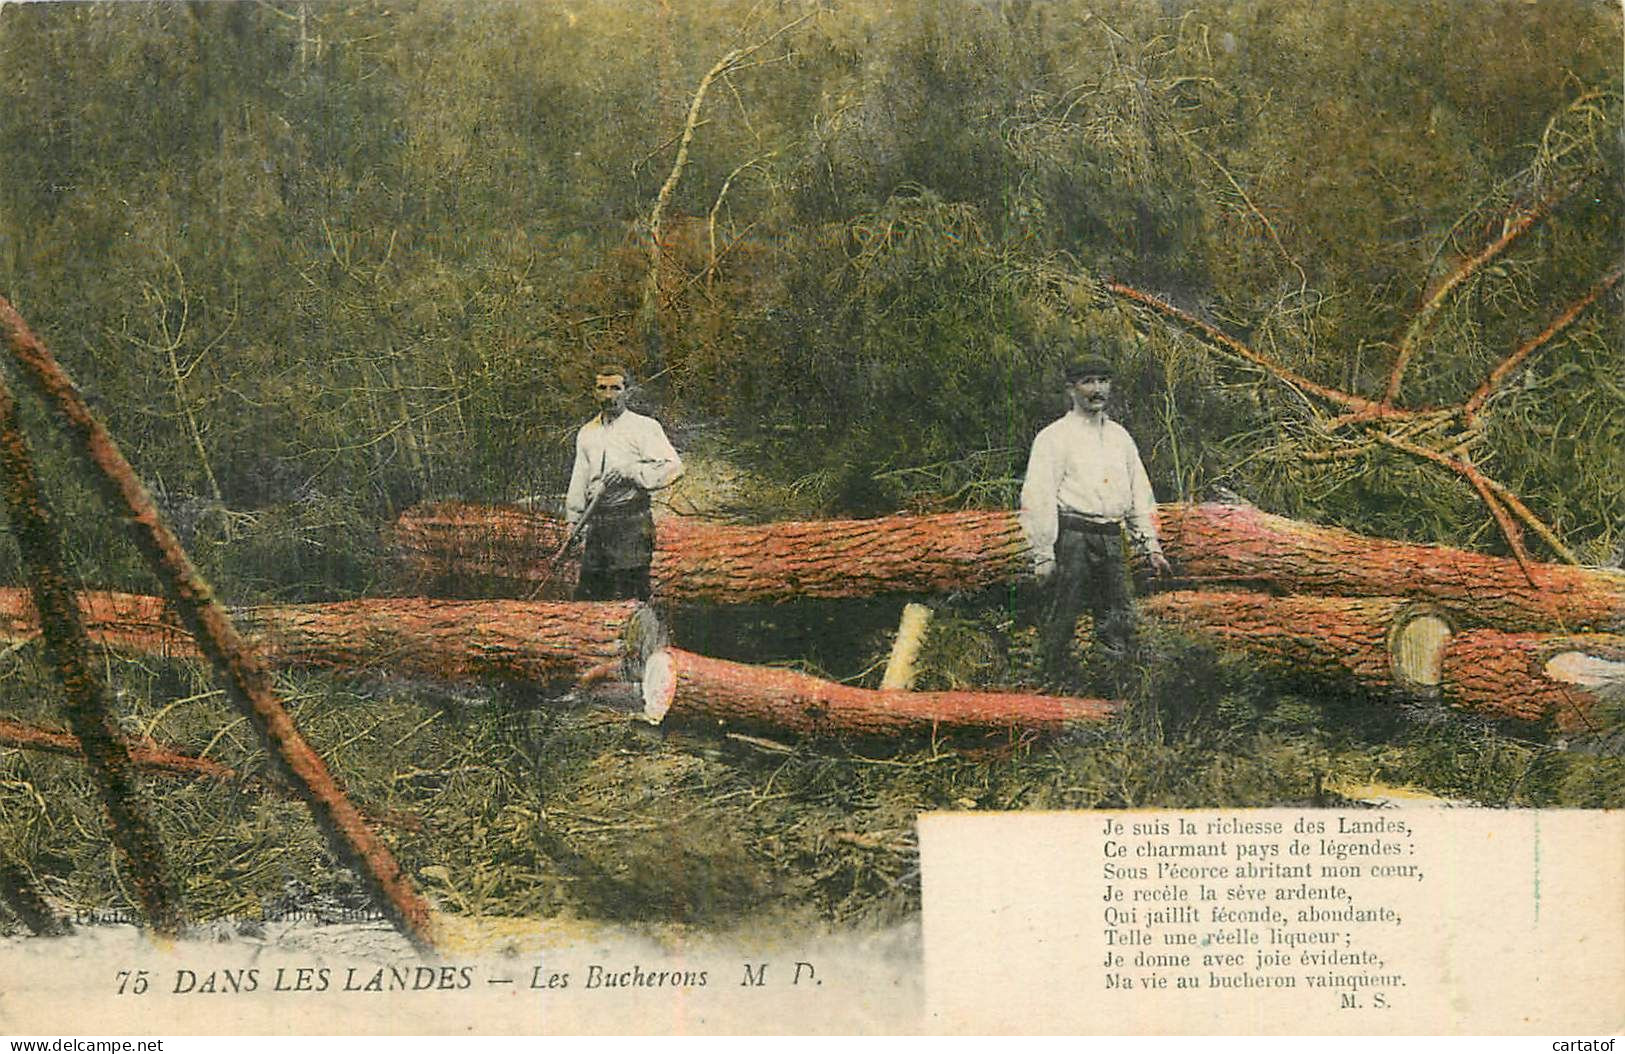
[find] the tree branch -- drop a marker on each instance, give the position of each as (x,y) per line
(1506,366)
(1511,231)
(1497,497)
(726,64)
(711,220)
(1214,335)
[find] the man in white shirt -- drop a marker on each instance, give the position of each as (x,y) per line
(622,456)
(1085,485)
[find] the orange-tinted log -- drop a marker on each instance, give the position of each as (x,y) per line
(681,685)
(1394,645)
(453,546)
(504,548)
(548,643)
(1240,542)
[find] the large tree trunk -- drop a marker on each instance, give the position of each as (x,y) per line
(457,547)
(1577,679)
(1395,645)
(548,643)
(681,685)
(1238,542)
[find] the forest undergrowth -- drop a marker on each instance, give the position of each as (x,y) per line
(504,803)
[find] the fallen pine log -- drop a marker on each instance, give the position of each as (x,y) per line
(446,547)
(169,761)
(1569,676)
(546,643)
(1392,644)
(681,685)
(1239,542)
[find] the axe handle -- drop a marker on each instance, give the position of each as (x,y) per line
(569,540)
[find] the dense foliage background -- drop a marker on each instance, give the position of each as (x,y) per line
(318,261)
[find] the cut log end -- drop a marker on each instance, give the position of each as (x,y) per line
(645,637)
(1587,671)
(1417,646)
(659,684)
(905,651)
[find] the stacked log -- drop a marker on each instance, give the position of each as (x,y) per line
(1239,542)
(1395,645)
(723,563)
(599,647)
(1529,676)
(969,551)
(680,685)
(546,643)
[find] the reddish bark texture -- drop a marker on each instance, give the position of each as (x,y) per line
(1493,673)
(704,689)
(248,683)
(126,621)
(1505,675)
(489,546)
(1240,542)
(721,563)
(1330,638)
(547,643)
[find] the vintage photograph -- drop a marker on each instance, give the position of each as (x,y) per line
(570,484)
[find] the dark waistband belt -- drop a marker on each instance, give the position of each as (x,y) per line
(632,507)
(1071,521)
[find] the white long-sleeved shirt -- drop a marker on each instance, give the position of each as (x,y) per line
(1091,468)
(633,445)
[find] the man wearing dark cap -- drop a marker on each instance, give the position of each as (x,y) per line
(1086,486)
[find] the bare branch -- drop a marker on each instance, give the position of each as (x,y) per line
(1495,496)
(1511,230)
(727,64)
(711,219)
(1506,366)
(1217,336)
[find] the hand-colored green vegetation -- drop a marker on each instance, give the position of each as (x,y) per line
(316,262)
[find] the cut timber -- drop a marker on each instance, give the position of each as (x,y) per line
(905,650)
(1530,676)
(463,549)
(454,547)
(1239,542)
(681,685)
(445,545)
(1379,642)
(1391,644)
(129,622)
(538,642)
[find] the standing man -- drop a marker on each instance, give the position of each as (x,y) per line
(620,457)
(1085,485)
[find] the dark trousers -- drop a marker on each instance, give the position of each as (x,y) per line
(619,547)
(1090,573)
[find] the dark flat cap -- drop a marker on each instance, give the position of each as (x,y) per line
(1093,366)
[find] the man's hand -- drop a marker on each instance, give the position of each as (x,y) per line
(1160,565)
(1044,569)
(614,480)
